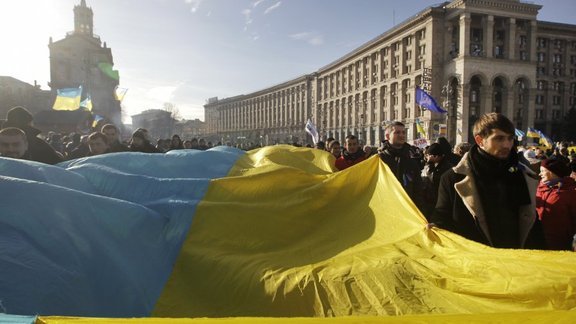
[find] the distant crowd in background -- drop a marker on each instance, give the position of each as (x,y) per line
(20,139)
(492,191)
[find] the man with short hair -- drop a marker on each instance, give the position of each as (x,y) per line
(98,144)
(113,135)
(13,143)
(334,148)
(403,160)
(352,155)
(39,150)
(489,197)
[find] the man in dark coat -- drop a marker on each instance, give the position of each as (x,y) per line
(13,143)
(113,134)
(489,197)
(38,149)
(403,160)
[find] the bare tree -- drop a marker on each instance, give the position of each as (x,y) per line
(173,110)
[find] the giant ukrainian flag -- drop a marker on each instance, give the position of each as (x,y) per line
(273,232)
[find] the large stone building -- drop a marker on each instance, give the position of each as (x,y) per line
(473,56)
(14,92)
(82,59)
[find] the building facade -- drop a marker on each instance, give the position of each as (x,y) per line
(274,115)
(82,59)
(14,92)
(159,123)
(473,56)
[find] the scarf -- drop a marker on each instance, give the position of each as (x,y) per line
(502,189)
(489,170)
(353,156)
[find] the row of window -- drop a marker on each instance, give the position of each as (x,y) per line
(556,58)
(556,86)
(556,100)
(557,43)
(539,114)
(377,66)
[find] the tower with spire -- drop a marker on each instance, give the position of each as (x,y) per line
(83,19)
(82,59)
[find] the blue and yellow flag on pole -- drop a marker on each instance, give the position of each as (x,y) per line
(252,237)
(97,118)
(545,140)
(533,133)
(120,93)
(68,99)
(420,128)
(87,103)
(424,100)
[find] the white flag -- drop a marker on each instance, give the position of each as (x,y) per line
(311,129)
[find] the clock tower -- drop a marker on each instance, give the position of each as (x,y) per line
(82,59)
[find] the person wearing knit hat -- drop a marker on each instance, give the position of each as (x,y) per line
(18,117)
(140,142)
(435,149)
(552,168)
(556,204)
(38,149)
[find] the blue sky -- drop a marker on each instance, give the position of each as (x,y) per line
(186,51)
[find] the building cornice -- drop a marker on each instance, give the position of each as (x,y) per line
(495,7)
(548,26)
(266,91)
(396,30)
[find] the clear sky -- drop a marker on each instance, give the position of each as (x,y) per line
(186,51)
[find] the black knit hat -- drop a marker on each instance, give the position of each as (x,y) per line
(435,149)
(18,116)
(557,166)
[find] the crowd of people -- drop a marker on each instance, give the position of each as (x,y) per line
(20,139)
(491,191)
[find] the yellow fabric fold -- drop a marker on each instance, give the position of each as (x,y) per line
(284,236)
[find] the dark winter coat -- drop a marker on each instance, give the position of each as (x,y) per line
(459,208)
(405,165)
(431,176)
(38,149)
